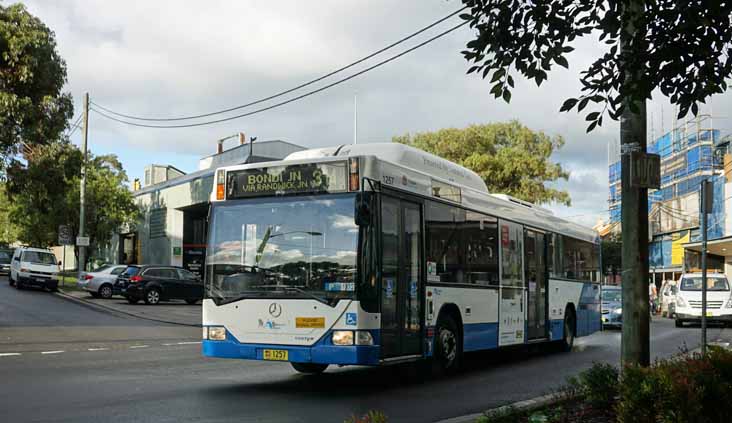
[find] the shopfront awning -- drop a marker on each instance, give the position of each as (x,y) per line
(718,246)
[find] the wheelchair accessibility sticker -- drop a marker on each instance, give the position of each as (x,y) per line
(351,319)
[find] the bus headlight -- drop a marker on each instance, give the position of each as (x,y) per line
(680,302)
(343,337)
(729,303)
(216,333)
(205,332)
(364,338)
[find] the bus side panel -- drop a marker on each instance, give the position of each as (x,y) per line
(478,311)
(584,296)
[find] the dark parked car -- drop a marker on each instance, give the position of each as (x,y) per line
(155,283)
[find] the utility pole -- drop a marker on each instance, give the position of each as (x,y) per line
(635,343)
(82,248)
(706,207)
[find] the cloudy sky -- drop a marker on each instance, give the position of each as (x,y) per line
(168,58)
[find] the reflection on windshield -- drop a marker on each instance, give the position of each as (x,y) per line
(713,284)
(611,295)
(39,258)
(290,246)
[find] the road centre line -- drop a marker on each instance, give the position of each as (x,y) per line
(8,354)
(97,349)
(138,346)
(188,343)
(52,352)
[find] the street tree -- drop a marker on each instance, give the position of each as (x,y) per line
(8,228)
(511,158)
(678,48)
(44,193)
(34,110)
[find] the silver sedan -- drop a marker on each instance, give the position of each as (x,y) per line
(100,283)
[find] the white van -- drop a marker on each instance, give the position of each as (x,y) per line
(689,299)
(34,267)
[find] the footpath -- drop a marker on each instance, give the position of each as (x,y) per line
(173,312)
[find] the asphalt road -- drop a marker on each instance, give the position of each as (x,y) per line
(104,367)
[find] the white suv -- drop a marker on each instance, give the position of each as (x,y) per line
(34,267)
(689,299)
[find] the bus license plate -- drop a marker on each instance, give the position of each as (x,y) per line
(275,355)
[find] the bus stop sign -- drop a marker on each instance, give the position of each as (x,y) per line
(644,169)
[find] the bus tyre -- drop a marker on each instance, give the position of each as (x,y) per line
(448,346)
(568,334)
(152,296)
(309,368)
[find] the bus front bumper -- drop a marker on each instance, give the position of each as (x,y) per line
(323,352)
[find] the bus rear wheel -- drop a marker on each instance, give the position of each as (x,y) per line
(569,329)
(309,368)
(448,346)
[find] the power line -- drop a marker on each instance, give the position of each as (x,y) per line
(282,103)
(303,85)
(74,127)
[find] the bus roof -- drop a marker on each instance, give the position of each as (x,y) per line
(418,162)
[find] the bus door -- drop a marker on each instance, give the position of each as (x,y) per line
(401,232)
(536,289)
(512,307)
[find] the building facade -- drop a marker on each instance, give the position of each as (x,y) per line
(690,153)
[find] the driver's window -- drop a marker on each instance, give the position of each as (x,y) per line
(118,270)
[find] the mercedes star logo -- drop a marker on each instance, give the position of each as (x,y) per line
(275,310)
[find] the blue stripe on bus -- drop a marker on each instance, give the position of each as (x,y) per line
(322,352)
(589,316)
(556,328)
(480,336)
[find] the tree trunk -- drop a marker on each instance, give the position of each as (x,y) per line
(635,344)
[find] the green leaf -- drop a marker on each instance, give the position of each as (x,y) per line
(592,116)
(506,95)
(498,74)
(561,61)
(510,81)
(568,104)
(582,104)
(591,127)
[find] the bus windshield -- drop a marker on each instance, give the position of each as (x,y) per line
(713,284)
(282,247)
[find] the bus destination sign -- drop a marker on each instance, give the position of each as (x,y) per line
(280,180)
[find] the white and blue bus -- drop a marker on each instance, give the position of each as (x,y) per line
(382,253)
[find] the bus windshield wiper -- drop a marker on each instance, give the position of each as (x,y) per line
(296,289)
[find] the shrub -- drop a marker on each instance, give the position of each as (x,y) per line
(372,416)
(598,385)
(689,389)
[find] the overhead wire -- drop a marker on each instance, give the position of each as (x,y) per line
(74,127)
(291,100)
(279,94)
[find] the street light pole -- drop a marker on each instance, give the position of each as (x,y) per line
(82,191)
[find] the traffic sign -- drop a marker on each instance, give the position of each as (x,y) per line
(645,169)
(64,235)
(82,241)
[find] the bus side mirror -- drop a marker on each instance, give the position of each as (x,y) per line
(363,208)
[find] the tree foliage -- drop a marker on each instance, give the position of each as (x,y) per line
(45,194)
(33,108)
(511,158)
(8,229)
(683,49)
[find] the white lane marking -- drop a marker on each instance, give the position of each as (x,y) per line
(138,346)
(8,354)
(168,344)
(52,352)
(188,343)
(98,349)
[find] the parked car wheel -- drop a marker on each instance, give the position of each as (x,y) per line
(191,302)
(152,296)
(10,280)
(19,284)
(679,323)
(132,300)
(94,294)
(105,291)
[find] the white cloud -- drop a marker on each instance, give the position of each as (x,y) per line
(169,58)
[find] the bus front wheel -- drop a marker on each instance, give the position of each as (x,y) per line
(309,368)
(448,347)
